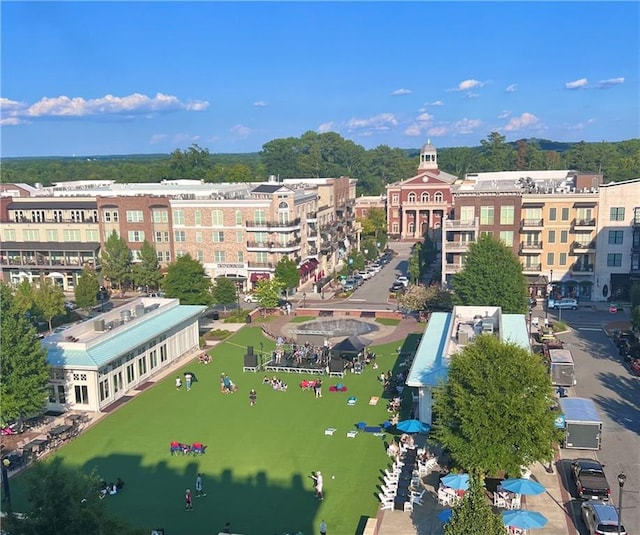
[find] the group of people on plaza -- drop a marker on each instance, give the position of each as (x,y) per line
(189,379)
(110,489)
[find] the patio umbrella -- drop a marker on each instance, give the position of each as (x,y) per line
(445,516)
(413,426)
(520,518)
(523,486)
(456,481)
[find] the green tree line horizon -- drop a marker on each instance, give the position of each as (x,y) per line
(314,155)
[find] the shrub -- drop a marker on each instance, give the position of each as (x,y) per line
(217,334)
(559,326)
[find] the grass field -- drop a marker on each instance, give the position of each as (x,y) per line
(258,460)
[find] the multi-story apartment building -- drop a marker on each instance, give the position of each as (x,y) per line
(364,203)
(618,239)
(418,205)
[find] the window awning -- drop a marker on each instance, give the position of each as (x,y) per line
(584,204)
(232,277)
(255,277)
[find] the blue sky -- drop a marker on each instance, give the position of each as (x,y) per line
(89,78)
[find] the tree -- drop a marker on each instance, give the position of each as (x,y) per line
(25,298)
(86,290)
(355,262)
(66,501)
(225,292)
(494,408)
(50,300)
(24,370)
(186,280)
(116,262)
(374,223)
(267,293)
(369,249)
(474,516)
(287,273)
(147,272)
(415,298)
(415,264)
(492,276)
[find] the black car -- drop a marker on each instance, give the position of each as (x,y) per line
(397,287)
(621,335)
(629,349)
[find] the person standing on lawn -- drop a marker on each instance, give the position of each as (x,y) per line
(178,383)
(323,528)
(187,499)
(188,378)
(252,397)
(199,486)
(319,484)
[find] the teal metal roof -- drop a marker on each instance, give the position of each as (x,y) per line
(429,367)
(514,330)
(125,341)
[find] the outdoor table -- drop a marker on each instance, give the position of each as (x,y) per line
(36,446)
(403,493)
(59,430)
(75,417)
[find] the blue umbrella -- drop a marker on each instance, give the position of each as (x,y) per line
(520,518)
(456,481)
(413,426)
(522,486)
(445,516)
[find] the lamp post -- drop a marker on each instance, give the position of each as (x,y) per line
(4,468)
(621,480)
(304,300)
(546,308)
(530,318)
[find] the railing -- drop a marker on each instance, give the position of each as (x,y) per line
(273,244)
(460,223)
(532,223)
(531,267)
(260,265)
(452,246)
(453,268)
(582,268)
(66,220)
(44,263)
(312,216)
(273,224)
(583,245)
(584,222)
(531,245)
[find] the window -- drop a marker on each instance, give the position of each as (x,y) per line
(52,235)
(533,214)
(167,256)
(395,199)
(181,253)
(616,214)
(142,366)
(135,216)
(218,236)
(584,214)
(71,235)
(104,389)
(467,213)
(77,216)
(159,256)
(615,237)
(437,196)
(161,216)
(262,258)
(507,215)
(110,217)
(565,214)
(82,394)
(62,394)
(261,237)
(239,236)
(614,260)
(153,359)
(136,256)
(553,214)
(551,236)
(395,228)
(506,236)
(31,235)
(159,235)
(240,257)
(218,256)
(550,259)
(259,217)
(239,218)
(424,197)
(37,216)
(117,382)
(178,217)
(411,198)
(487,215)
(109,233)
(197,217)
(179,236)
(57,216)
(563,259)
(217,217)
(136,235)
(92,236)
(131,373)
(200,256)
(9,234)
(163,353)
(564,236)
(198,236)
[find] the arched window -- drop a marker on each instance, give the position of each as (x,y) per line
(411,197)
(283,206)
(437,196)
(425,197)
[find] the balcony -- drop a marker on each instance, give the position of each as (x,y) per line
(453,267)
(30,262)
(312,237)
(273,246)
(583,247)
(276,225)
(531,268)
(583,224)
(531,223)
(582,269)
(531,247)
(457,246)
(260,265)
(55,221)
(312,217)
(461,224)
(326,247)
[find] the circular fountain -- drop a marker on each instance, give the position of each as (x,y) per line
(333,327)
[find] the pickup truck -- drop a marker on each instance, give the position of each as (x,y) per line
(591,483)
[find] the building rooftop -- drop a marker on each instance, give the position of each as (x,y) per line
(95,342)
(447,333)
(523,182)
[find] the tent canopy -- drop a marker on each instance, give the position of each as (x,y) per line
(349,347)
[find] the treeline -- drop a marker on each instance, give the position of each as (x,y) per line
(330,155)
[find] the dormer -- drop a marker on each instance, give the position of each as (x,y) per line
(428,157)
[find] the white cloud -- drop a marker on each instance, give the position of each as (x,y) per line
(260,104)
(425,117)
(504,114)
(240,131)
(471,95)
(380,122)
(605,84)
(157,138)
(184,139)
(134,104)
(436,103)
(525,121)
(467,85)
(512,88)
(325,127)
(581,125)
(466,126)
(438,131)
(577,84)
(423,121)
(399,92)
(413,130)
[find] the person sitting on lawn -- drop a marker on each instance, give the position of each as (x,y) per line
(119,484)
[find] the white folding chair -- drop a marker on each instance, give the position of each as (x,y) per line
(390,481)
(499,501)
(408,506)
(385,501)
(443,497)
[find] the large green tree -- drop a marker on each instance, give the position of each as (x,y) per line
(415,264)
(24,370)
(147,272)
(474,516)
(225,292)
(186,280)
(493,411)
(50,301)
(287,273)
(267,293)
(25,298)
(492,276)
(116,262)
(86,289)
(374,224)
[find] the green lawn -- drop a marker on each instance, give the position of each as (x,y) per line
(388,321)
(302,319)
(258,458)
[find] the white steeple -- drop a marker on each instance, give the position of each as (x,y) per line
(428,157)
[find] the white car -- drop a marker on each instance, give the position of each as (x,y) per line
(250,298)
(403,280)
(70,305)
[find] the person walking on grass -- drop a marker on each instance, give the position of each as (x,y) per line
(252,397)
(199,486)
(178,383)
(319,484)
(188,378)
(187,500)
(323,528)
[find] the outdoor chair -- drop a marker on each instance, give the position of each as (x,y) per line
(387,503)
(408,506)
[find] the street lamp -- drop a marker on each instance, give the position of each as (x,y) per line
(304,300)
(530,317)
(621,480)
(546,308)
(4,468)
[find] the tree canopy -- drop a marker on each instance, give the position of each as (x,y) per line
(50,300)
(147,272)
(267,293)
(493,411)
(474,516)
(492,276)
(287,273)
(86,289)
(187,280)
(116,262)
(23,362)
(224,292)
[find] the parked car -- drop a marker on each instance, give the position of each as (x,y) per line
(349,285)
(249,298)
(403,280)
(359,280)
(620,335)
(591,482)
(70,305)
(566,303)
(601,518)
(629,350)
(634,366)
(397,287)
